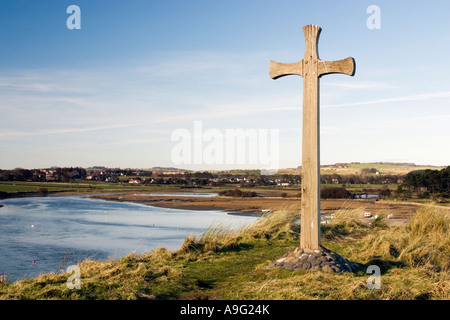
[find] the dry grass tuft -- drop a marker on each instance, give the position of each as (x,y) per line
(220,238)
(273,224)
(424,241)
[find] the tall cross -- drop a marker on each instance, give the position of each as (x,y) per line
(311,68)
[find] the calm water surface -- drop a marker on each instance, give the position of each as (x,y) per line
(36,233)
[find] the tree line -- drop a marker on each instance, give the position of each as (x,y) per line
(429,181)
(360,179)
(41,175)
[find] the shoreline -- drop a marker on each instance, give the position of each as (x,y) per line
(257,206)
(185,203)
(253,206)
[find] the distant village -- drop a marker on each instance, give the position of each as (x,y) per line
(161,175)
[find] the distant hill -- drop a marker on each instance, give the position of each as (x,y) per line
(389,168)
(168,169)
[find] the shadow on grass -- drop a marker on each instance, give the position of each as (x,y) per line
(235,248)
(202,247)
(384,265)
(333,232)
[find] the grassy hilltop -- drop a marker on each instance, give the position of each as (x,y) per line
(357,168)
(414,260)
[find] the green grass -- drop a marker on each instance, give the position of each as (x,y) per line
(76,186)
(226,264)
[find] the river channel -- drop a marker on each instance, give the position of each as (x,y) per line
(47,234)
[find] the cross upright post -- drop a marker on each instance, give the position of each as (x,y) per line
(311,68)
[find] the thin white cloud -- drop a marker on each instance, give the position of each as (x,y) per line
(18,133)
(418,97)
(48,81)
(360,85)
(421,120)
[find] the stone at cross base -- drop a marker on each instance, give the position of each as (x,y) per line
(310,254)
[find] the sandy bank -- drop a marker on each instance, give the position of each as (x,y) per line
(259,205)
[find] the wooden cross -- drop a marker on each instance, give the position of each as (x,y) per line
(311,68)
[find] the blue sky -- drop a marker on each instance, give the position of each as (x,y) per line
(113,92)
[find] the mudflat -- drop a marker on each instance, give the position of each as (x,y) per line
(402,211)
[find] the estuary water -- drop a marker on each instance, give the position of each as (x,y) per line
(47,234)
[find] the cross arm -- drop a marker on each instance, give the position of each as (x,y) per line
(346,66)
(277,70)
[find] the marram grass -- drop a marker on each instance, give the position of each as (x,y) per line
(423,242)
(414,260)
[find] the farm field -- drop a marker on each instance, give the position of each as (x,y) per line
(355,168)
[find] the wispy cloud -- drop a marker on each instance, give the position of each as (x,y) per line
(19,133)
(420,120)
(56,81)
(418,97)
(360,85)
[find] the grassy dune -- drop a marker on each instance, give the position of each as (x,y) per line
(222,264)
